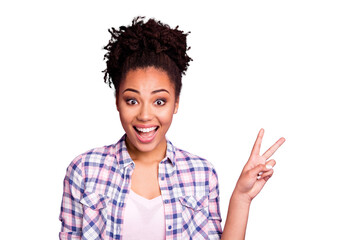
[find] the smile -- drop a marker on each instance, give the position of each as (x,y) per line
(145,130)
(146,134)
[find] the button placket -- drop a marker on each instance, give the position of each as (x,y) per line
(126,176)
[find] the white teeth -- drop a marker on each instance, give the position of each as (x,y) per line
(145,129)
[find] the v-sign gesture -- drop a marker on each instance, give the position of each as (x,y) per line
(254,175)
(257,170)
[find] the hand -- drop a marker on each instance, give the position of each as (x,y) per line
(257,170)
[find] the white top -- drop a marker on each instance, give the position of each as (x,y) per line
(144,218)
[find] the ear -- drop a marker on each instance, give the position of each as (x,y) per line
(176,105)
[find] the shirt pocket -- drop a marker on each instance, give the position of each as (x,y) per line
(195,213)
(95,215)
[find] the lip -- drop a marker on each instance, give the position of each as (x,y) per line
(146,139)
(145,126)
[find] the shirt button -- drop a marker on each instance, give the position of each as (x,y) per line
(169,227)
(166,201)
(162,178)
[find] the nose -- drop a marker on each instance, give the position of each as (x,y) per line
(145,113)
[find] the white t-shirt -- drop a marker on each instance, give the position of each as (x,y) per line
(144,218)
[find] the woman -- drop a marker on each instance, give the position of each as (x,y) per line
(143,187)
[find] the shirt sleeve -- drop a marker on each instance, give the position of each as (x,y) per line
(215,230)
(71,208)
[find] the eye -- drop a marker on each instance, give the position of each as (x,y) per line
(131,101)
(160,102)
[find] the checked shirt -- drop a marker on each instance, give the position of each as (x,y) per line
(97,185)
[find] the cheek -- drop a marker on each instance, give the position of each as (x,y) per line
(165,117)
(126,116)
(124,121)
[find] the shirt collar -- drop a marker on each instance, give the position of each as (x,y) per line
(124,159)
(170,152)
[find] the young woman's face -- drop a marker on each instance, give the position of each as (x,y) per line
(146,103)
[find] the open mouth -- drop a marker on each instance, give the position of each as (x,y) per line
(146,134)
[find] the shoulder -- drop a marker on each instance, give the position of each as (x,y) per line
(185,159)
(95,157)
(197,176)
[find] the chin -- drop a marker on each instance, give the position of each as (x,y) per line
(145,146)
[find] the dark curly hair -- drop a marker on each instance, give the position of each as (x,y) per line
(142,45)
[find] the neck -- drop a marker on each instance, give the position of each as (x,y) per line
(154,156)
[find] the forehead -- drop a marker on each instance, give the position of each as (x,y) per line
(147,79)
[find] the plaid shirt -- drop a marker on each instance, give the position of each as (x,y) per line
(97,185)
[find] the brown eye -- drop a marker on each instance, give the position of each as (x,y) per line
(160,102)
(131,101)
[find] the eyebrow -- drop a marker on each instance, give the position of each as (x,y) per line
(153,92)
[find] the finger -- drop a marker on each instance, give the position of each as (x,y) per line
(267,178)
(268,165)
(266,175)
(264,172)
(257,144)
(273,148)
(271,162)
(256,170)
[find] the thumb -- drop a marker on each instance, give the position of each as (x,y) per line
(257,171)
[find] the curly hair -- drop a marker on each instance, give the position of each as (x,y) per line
(142,45)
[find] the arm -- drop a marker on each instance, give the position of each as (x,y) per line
(236,220)
(214,207)
(71,208)
(255,174)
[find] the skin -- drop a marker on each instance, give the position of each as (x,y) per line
(146,97)
(138,104)
(248,187)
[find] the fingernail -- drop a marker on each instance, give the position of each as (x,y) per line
(268,167)
(258,177)
(260,173)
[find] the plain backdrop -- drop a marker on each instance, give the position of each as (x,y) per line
(290,67)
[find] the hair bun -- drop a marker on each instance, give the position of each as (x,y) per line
(141,41)
(152,36)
